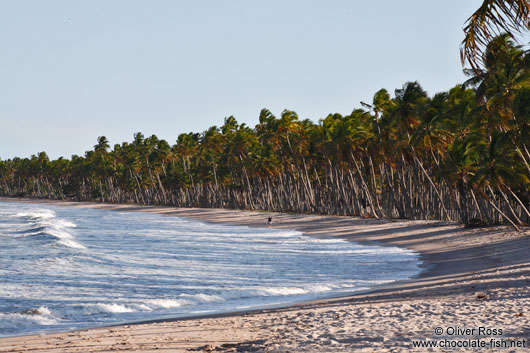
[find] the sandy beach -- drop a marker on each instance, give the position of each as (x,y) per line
(471,296)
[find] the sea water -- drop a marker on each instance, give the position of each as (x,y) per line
(64,268)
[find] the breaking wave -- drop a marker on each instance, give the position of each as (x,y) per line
(44,224)
(13,322)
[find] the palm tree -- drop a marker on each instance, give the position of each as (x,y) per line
(498,169)
(410,105)
(186,148)
(491,18)
(506,72)
(102,145)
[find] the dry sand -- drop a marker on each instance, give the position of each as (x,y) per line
(474,280)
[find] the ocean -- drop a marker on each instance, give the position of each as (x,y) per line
(65,268)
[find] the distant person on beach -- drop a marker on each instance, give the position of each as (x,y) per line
(269,221)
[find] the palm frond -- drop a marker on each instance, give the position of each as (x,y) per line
(490,19)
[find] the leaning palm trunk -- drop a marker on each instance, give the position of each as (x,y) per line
(518,201)
(508,219)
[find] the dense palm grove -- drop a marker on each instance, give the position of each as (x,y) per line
(461,155)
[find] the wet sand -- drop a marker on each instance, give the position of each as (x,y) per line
(474,279)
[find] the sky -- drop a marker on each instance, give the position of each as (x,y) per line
(73,70)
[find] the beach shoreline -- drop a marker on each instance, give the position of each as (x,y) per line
(468,269)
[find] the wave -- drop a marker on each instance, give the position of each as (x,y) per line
(26,319)
(132,306)
(277,291)
(119,308)
(157,304)
(43,223)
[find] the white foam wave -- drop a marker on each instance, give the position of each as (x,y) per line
(64,238)
(16,321)
(63,223)
(45,222)
(288,291)
(37,214)
(166,303)
(183,300)
(113,308)
(147,305)
(273,291)
(203,298)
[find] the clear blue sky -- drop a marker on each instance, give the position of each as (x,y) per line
(73,70)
